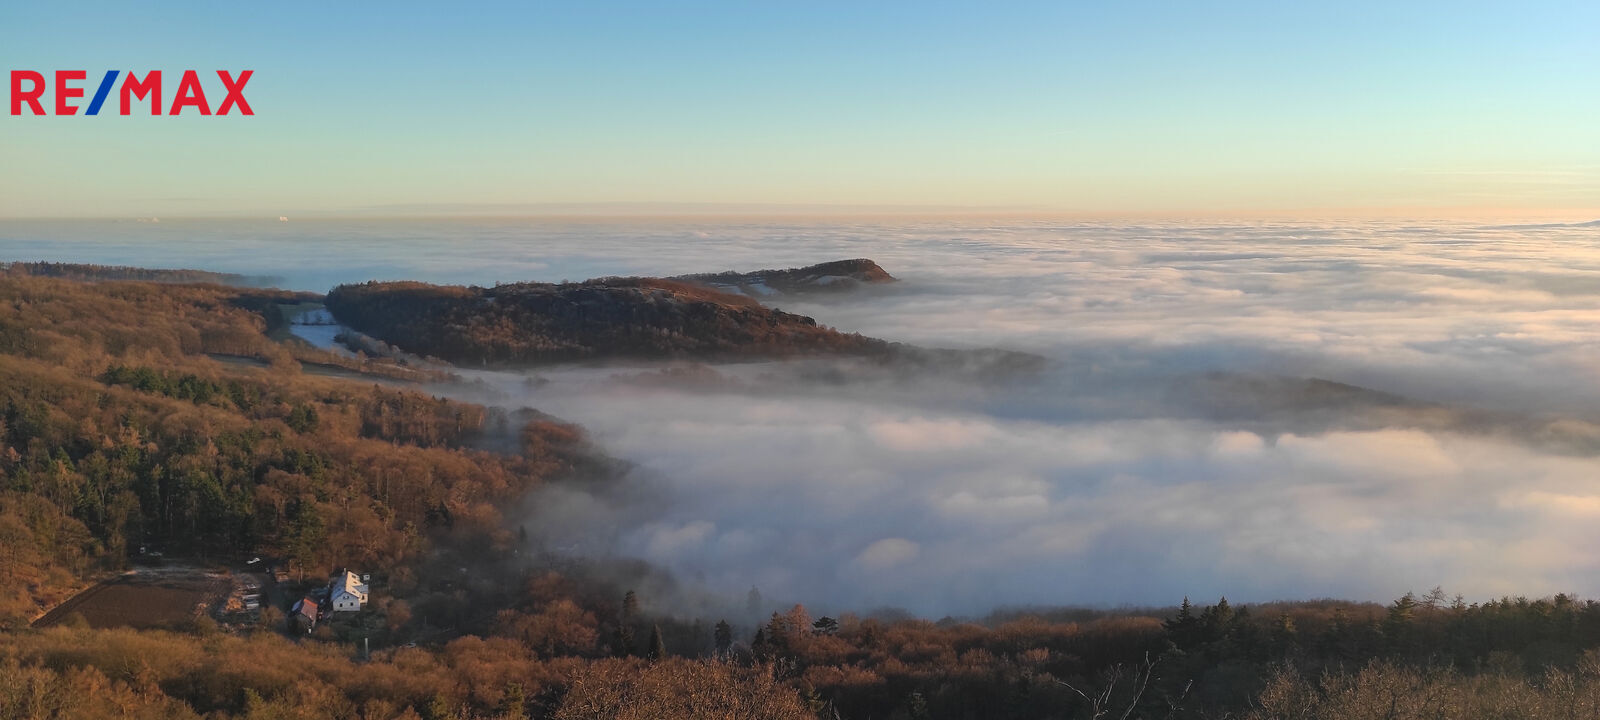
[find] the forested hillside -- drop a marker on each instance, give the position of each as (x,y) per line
(118,430)
(164,416)
(528,323)
(838,276)
(79,271)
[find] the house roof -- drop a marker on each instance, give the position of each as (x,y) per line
(349,582)
(306,607)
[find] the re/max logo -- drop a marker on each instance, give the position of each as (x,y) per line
(28,89)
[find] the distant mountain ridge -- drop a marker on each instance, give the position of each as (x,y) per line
(1589,224)
(830,277)
(81,271)
(533,323)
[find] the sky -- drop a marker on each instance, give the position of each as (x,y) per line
(1126,108)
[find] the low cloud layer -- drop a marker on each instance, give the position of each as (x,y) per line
(1106,478)
(842,500)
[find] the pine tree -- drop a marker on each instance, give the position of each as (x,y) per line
(658,644)
(917,707)
(777,634)
(1398,628)
(1338,639)
(1183,629)
(622,641)
(514,704)
(624,635)
(1215,620)
(724,637)
(439,708)
(1284,634)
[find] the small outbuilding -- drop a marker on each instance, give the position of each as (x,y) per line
(304,615)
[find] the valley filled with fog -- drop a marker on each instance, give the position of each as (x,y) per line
(1170,443)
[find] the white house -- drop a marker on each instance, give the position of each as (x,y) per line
(346,592)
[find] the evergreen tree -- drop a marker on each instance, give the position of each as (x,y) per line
(917,707)
(514,703)
(302,419)
(1284,636)
(1398,627)
(724,637)
(625,632)
(658,644)
(1340,639)
(1215,621)
(438,708)
(1183,629)
(305,535)
(622,641)
(777,635)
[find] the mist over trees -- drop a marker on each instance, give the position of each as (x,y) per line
(166,416)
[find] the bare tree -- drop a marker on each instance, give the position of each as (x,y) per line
(1105,702)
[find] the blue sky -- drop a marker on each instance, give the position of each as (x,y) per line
(1117,108)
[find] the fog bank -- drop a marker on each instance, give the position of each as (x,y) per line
(1121,472)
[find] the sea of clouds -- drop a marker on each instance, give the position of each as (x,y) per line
(1103,478)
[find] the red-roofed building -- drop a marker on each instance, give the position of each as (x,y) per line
(305,614)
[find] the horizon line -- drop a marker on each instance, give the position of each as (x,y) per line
(625,210)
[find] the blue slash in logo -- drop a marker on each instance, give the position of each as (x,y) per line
(100,95)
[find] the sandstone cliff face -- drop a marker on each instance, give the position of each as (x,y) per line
(532,323)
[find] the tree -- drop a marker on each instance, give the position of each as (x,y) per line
(271,618)
(624,634)
(439,708)
(622,641)
(514,703)
(1398,628)
(1284,634)
(724,637)
(917,707)
(658,644)
(559,628)
(306,534)
(825,626)
(302,419)
(396,614)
